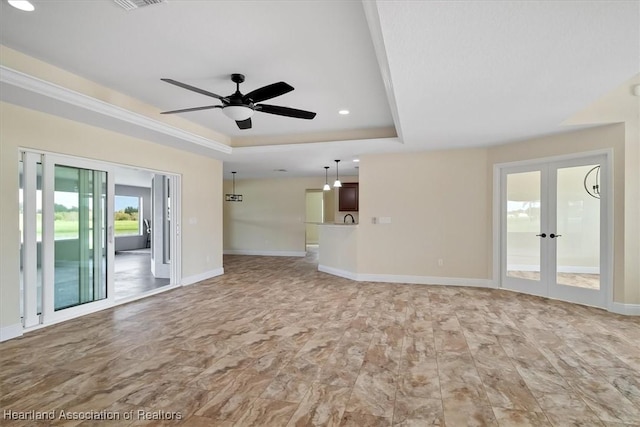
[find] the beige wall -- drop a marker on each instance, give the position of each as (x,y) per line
(201,204)
(438,203)
(271,216)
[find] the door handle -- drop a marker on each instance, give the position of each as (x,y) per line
(554,235)
(110,234)
(543,235)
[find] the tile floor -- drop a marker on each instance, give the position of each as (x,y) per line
(133,274)
(274,342)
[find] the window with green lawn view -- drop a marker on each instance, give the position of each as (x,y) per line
(127,216)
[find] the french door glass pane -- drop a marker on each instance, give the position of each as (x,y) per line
(578,224)
(523,223)
(80,236)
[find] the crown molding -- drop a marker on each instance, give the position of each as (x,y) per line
(42,87)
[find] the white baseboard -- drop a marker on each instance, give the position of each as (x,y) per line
(10,332)
(337,272)
(626,309)
(190,280)
(417,280)
(263,253)
(426,280)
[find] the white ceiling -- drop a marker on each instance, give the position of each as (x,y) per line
(446,74)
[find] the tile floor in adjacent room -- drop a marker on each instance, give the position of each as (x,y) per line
(133,274)
(274,342)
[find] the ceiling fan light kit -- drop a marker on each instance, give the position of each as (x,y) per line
(241,107)
(237,112)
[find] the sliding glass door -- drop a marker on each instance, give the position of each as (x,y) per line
(67,248)
(80,236)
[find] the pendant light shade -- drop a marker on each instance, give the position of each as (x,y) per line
(326,179)
(337,184)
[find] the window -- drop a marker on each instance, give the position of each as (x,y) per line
(127,217)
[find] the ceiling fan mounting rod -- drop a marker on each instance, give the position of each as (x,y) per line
(237,79)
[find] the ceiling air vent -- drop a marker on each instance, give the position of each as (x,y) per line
(134,4)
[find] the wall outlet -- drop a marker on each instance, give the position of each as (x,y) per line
(374,220)
(440,262)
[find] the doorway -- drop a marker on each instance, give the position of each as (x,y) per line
(314,213)
(554,229)
(137,202)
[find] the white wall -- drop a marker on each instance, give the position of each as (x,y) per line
(201,204)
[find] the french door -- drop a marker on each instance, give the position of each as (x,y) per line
(553,219)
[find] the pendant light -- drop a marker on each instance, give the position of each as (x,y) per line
(326,179)
(233,197)
(337,184)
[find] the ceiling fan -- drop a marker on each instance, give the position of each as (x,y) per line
(241,107)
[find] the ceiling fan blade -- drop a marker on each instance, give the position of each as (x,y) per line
(208,107)
(267,92)
(285,111)
(244,124)
(193,88)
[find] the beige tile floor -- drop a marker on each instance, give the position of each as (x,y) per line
(579,280)
(273,342)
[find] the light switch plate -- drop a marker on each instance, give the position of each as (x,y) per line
(385,220)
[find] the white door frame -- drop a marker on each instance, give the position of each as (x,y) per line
(49,316)
(607,217)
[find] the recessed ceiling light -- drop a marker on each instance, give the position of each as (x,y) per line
(343,112)
(356,160)
(22,5)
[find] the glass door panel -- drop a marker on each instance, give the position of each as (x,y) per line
(30,224)
(523,224)
(578,222)
(80,236)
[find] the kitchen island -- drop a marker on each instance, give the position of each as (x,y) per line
(337,249)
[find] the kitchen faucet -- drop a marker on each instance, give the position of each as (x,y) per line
(353,221)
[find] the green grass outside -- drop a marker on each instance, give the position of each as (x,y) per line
(127,227)
(69,229)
